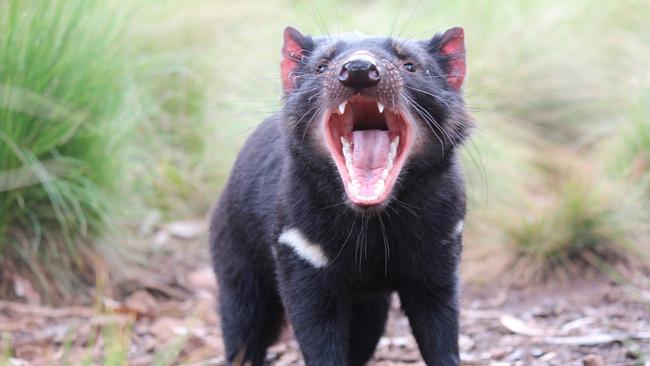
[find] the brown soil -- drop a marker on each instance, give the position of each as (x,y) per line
(170,317)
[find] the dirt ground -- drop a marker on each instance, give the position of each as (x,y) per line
(170,319)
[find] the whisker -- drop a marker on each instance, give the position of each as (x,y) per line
(347,238)
(405,206)
(408,101)
(386,246)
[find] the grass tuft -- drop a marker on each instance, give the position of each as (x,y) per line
(630,159)
(580,223)
(63,126)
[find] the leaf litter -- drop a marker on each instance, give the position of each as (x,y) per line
(170,318)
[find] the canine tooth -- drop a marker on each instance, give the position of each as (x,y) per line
(380,107)
(384,173)
(342,107)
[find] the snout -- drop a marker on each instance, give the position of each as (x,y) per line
(359,71)
(366,130)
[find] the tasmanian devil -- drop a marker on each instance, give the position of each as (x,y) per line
(353,190)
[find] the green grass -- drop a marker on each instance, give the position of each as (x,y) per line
(63,126)
(630,159)
(581,222)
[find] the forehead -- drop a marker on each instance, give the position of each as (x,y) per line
(348,42)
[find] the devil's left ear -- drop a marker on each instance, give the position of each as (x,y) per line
(450,49)
(294,50)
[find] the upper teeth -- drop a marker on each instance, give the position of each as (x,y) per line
(342,107)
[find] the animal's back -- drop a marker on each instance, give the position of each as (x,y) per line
(241,230)
(249,197)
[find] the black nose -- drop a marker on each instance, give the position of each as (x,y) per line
(359,74)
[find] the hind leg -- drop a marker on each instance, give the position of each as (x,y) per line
(251,314)
(367,322)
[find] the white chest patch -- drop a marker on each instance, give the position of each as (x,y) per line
(459,228)
(305,249)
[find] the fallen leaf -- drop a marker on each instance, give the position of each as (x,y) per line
(141,302)
(575,324)
(465,343)
(586,340)
(203,278)
(160,239)
(167,328)
(35,310)
(518,326)
(547,357)
(593,360)
(28,352)
(188,229)
(24,289)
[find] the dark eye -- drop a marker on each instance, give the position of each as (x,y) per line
(409,66)
(321,68)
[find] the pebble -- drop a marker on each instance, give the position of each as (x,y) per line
(593,360)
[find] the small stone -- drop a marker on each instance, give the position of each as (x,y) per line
(593,360)
(384,342)
(498,353)
(515,355)
(141,302)
(465,343)
(188,229)
(632,354)
(203,278)
(278,348)
(537,352)
(399,341)
(547,357)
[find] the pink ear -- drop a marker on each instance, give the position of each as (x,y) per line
(452,47)
(293,53)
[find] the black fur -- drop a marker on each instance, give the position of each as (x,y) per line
(283,178)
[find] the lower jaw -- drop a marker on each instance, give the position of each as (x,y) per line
(368,188)
(369,146)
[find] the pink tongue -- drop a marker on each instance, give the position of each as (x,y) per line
(369,154)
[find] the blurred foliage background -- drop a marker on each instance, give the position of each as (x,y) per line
(114,112)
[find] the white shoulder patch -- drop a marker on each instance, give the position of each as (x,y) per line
(459,228)
(305,249)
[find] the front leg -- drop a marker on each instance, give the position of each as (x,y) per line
(433,315)
(432,308)
(316,308)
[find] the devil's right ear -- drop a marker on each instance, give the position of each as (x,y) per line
(296,46)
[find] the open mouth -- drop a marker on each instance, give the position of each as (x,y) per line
(369,143)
